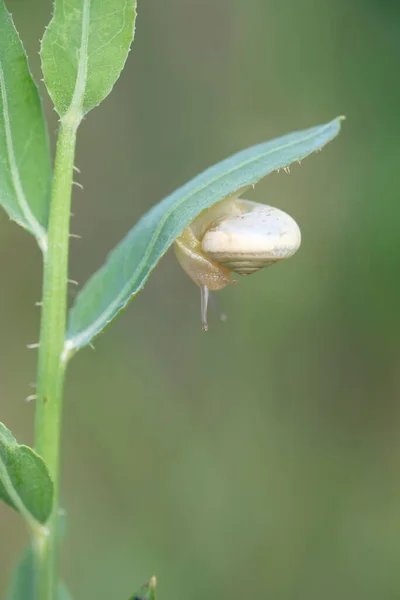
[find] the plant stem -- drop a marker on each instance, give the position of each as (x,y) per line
(52,362)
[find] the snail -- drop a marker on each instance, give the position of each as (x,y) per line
(234,235)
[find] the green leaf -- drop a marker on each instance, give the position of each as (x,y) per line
(22,585)
(23,579)
(25,483)
(84,51)
(63,592)
(147,591)
(25,174)
(131,262)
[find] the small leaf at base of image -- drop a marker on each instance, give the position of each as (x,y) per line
(147,591)
(129,265)
(84,50)
(62,592)
(25,172)
(25,483)
(22,585)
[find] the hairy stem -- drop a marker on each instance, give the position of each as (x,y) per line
(52,362)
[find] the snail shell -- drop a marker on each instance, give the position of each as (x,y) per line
(252,240)
(234,235)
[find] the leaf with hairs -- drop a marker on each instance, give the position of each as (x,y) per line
(129,265)
(84,50)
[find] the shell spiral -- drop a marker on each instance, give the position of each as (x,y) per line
(251,240)
(234,235)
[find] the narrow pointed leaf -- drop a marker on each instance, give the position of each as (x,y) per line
(22,585)
(25,174)
(84,51)
(146,591)
(129,265)
(25,483)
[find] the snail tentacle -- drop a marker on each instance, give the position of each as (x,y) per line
(234,235)
(205,294)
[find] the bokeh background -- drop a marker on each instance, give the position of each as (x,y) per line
(261,459)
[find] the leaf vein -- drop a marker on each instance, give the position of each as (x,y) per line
(31,221)
(81,77)
(112,38)
(118,303)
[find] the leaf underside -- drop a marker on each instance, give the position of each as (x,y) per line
(25,483)
(25,172)
(84,50)
(129,265)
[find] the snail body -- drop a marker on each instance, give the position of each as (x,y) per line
(237,236)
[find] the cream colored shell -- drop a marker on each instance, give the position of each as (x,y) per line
(234,235)
(246,242)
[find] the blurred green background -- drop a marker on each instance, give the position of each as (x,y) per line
(261,459)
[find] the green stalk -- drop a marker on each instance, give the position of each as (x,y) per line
(52,361)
